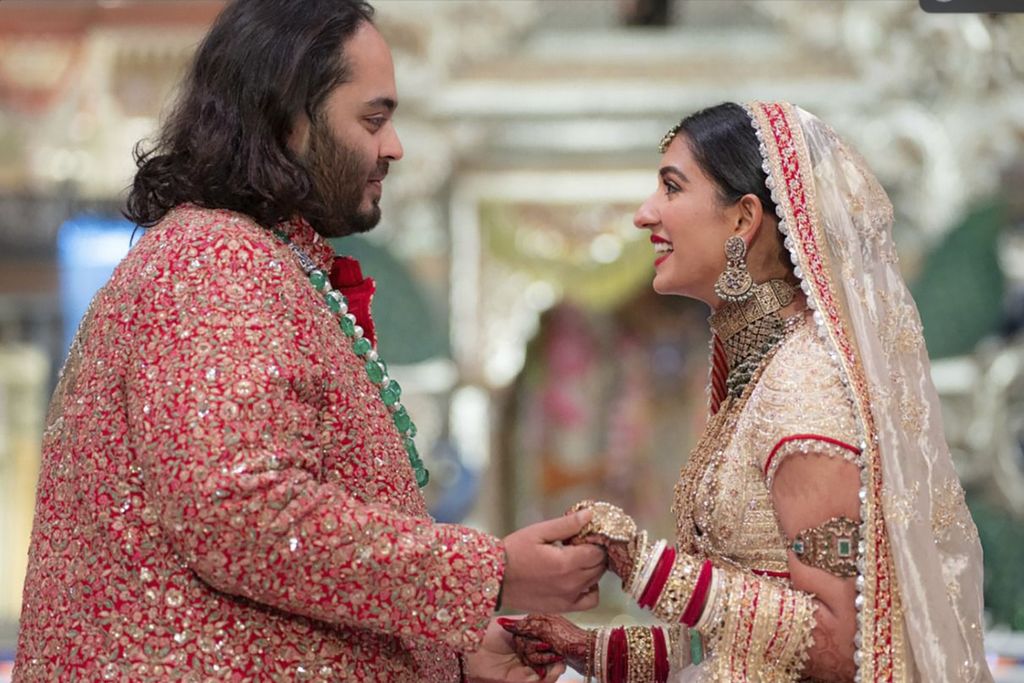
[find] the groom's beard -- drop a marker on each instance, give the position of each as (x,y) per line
(340,187)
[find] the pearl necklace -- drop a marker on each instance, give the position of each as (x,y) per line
(376,368)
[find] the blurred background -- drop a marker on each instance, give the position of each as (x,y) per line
(514,300)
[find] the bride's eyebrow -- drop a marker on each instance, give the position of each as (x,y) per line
(673,170)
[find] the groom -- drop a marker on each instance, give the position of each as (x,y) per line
(229,481)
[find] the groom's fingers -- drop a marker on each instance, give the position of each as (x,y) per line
(588,577)
(527,674)
(563,528)
(588,600)
(521,674)
(554,673)
(586,556)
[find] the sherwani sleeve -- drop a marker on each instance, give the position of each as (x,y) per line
(232,402)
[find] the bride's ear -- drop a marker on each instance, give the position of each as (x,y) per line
(749,216)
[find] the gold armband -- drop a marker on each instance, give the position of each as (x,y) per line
(831,546)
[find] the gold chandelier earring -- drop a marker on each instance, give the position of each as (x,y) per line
(735,284)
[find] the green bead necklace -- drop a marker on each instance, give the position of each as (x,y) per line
(376,368)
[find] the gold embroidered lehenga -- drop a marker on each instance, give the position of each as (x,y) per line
(849,378)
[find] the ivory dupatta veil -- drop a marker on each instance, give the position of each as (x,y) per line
(920,571)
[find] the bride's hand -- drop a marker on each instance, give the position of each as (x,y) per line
(544,639)
(620,558)
(613,530)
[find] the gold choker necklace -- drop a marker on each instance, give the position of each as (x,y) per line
(751,329)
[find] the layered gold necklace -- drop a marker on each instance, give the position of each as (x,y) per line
(750,329)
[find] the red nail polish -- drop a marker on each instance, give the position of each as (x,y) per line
(543,646)
(540,671)
(505,621)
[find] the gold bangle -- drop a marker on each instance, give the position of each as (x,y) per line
(601,648)
(640,657)
(588,665)
(678,589)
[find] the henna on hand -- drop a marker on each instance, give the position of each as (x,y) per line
(620,561)
(612,529)
(830,658)
(620,558)
(561,637)
(535,653)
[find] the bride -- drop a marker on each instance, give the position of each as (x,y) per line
(822,532)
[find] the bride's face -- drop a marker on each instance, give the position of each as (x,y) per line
(688,226)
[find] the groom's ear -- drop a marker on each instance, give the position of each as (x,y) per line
(298,137)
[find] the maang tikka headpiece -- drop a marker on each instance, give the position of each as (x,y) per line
(667,139)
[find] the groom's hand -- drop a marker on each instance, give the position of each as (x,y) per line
(496,661)
(543,577)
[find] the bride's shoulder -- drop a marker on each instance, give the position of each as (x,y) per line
(803,362)
(800,396)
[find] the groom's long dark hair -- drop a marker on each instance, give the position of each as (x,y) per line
(225,143)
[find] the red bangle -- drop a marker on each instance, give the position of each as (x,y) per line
(617,652)
(700,594)
(660,656)
(649,597)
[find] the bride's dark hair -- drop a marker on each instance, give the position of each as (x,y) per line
(724,145)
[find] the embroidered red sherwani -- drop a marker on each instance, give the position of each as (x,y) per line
(223,494)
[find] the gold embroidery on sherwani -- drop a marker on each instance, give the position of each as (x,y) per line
(202,508)
(69,372)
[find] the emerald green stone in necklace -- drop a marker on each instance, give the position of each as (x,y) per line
(376,368)
(361,346)
(391,393)
(375,371)
(422,477)
(414,454)
(402,419)
(319,280)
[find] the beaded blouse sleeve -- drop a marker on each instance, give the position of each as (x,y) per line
(263,447)
(800,405)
